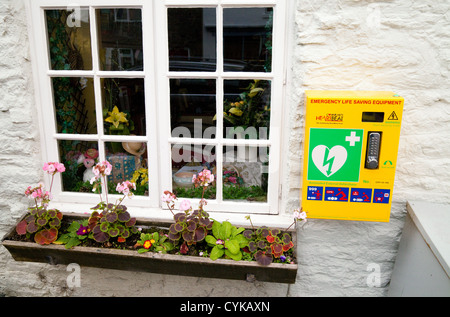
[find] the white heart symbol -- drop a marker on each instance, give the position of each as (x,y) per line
(333,161)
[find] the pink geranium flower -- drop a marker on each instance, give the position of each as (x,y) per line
(126,188)
(54,167)
(185,205)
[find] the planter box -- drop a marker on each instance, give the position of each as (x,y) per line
(131,260)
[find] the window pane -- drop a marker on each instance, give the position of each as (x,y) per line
(129,163)
(78,157)
(246,109)
(74,105)
(69,40)
(193,107)
(123,106)
(247,39)
(120,39)
(188,160)
(245,173)
(192,39)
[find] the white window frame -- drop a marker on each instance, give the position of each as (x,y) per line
(156,76)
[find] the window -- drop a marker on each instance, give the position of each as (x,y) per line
(163,89)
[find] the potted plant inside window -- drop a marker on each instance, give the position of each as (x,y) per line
(193,244)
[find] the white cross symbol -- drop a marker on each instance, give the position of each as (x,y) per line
(352,138)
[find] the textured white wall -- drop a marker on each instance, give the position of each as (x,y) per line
(403,46)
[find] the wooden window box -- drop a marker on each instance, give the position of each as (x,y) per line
(151,262)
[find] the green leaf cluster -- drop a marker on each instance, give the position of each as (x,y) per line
(159,243)
(226,240)
(110,221)
(72,238)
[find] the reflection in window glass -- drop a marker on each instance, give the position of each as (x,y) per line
(74,105)
(245,173)
(247,39)
(193,107)
(69,40)
(187,161)
(120,39)
(129,163)
(246,109)
(192,39)
(123,106)
(78,157)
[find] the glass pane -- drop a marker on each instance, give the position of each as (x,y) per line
(247,39)
(123,106)
(74,105)
(129,163)
(69,39)
(246,109)
(192,39)
(193,108)
(245,173)
(187,161)
(120,39)
(78,157)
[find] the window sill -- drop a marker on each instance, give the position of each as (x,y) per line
(150,262)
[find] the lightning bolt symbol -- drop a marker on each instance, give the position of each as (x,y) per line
(327,160)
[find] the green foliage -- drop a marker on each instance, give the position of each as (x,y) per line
(76,233)
(251,193)
(226,240)
(40,223)
(154,242)
(111,221)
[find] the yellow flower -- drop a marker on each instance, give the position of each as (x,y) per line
(236,111)
(116,117)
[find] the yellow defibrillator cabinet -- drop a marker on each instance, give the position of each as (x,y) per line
(350,154)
